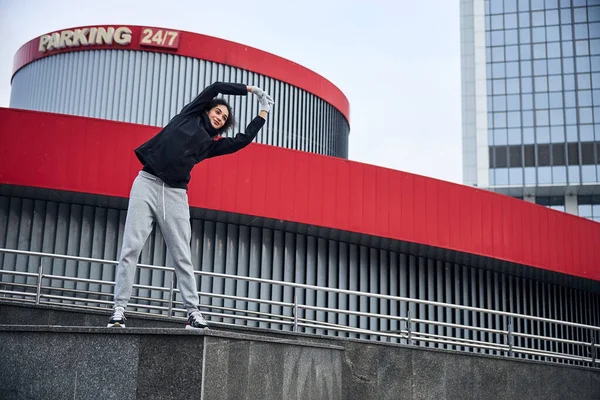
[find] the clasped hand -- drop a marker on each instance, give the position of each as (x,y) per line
(264,99)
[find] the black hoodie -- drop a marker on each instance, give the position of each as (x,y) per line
(190,138)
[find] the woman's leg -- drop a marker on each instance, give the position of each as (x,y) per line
(138,226)
(174,223)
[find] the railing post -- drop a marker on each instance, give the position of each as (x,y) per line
(171,289)
(593,349)
(38,293)
(295,311)
(510,337)
(409,328)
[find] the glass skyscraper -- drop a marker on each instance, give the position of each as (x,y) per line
(531,100)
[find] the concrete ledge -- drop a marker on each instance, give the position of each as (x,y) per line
(55,362)
(166,331)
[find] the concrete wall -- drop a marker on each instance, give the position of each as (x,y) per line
(158,363)
(82,362)
(398,372)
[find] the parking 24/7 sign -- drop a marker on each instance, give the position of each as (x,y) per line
(109,36)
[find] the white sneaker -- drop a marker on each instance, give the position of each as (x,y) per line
(196,321)
(118,318)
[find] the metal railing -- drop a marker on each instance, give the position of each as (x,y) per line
(504,337)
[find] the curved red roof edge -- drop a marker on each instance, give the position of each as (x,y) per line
(87,155)
(210,48)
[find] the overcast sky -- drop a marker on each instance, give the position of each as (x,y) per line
(397,61)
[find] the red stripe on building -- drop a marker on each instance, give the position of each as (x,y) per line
(96,156)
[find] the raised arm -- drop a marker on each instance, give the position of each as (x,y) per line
(210,92)
(231,145)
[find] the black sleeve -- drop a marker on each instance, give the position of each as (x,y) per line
(196,105)
(241,140)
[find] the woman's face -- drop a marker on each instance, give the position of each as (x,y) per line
(218,116)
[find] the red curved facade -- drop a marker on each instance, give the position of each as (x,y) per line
(86,155)
(211,49)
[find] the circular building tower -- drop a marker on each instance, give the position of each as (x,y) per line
(145,75)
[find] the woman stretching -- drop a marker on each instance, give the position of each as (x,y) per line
(159,192)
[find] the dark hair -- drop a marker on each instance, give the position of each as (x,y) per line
(230,122)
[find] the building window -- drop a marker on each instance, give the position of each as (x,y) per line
(572,134)
(588,174)
(567,48)
(527,101)
(554,202)
(555,81)
(544,175)
(524,20)
(528,136)
(552,17)
(556,100)
(557,133)
(568,67)
(542,134)
(513,103)
(581,48)
(515,176)
(514,155)
(500,157)
(574,172)
(583,64)
(524,49)
(541,101)
(589,207)
(559,175)
(586,133)
(558,154)
(581,31)
(530,176)
(497,22)
(573,153)
(539,66)
(585,96)
(543,154)
(587,153)
(496,7)
(565,15)
(510,20)
(529,152)
(514,136)
(580,15)
(542,118)
(501,177)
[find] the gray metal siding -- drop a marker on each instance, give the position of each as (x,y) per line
(150,88)
(90,231)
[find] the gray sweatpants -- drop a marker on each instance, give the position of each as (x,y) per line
(151,200)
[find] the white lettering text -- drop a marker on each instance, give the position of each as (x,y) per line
(44,40)
(65,39)
(123,35)
(105,36)
(54,41)
(85,37)
(79,37)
